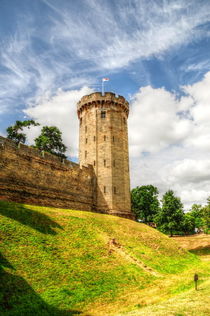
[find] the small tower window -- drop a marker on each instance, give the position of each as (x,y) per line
(104,137)
(86,140)
(85,153)
(94,138)
(81,121)
(124,120)
(103,114)
(113,139)
(85,129)
(104,163)
(104,189)
(94,162)
(115,190)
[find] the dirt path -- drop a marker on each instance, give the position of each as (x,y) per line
(115,246)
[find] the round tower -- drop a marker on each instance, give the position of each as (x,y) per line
(103,143)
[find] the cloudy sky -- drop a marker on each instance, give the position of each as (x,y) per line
(156,54)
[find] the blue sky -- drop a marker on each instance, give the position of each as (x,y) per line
(156,54)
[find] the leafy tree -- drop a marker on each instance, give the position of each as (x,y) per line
(188,223)
(145,203)
(206,216)
(50,140)
(13,132)
(170,216)
(197,214)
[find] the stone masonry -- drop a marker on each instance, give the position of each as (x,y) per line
(103,143)
(100,183)
(28,176)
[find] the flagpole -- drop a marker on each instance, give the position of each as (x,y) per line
(102,87)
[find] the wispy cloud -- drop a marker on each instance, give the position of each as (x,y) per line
(78,42)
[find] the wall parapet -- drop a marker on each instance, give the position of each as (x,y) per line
(26,176)
(98,99)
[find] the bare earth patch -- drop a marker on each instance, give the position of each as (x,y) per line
(192,242)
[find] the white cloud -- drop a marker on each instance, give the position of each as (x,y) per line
(154,122)
(170,140)
(78,41)
(59,110)
(130,31)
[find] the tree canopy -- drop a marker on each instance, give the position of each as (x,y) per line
(13,132)
(145,203)
(171,215)
(50,140)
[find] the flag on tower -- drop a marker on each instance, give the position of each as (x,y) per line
(105,79)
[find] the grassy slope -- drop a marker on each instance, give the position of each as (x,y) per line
(190,303)
(57,262)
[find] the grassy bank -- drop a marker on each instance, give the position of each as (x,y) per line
(65,262)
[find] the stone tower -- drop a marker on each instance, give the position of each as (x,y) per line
(103,143)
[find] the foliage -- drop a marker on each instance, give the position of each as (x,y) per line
(50,141)
(171,215)
(145,203)
(188,223)
(206,216)
(13,132)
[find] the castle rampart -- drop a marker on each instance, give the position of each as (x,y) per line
(26,176)
(101,181)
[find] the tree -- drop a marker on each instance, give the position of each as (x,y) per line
(197,214)
(13,132)
(170,216)
(206,216)
(188,223)
(145,203)
(50,140)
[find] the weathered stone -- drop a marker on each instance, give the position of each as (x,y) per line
(100,183)
(104,145)
(27,177)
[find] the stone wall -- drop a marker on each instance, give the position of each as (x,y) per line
(28,177)
(104,144)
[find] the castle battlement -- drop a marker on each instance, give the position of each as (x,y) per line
(98,100)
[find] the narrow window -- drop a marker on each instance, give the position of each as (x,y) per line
(94,162)
(104,163)
(115,190)
(104,137)
(124,120)
(113,139)
(94,138)
(104,189)
(85,129)
(85,153)
(81,121)
(86,140)
(103,114)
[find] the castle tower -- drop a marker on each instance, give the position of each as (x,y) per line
(103,143)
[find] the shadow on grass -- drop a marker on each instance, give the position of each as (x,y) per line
(202,251)
(18,298)
(28,217)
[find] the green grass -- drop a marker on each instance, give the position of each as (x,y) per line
(57,262)
(190,303)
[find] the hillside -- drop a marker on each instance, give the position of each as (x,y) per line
(66,262)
